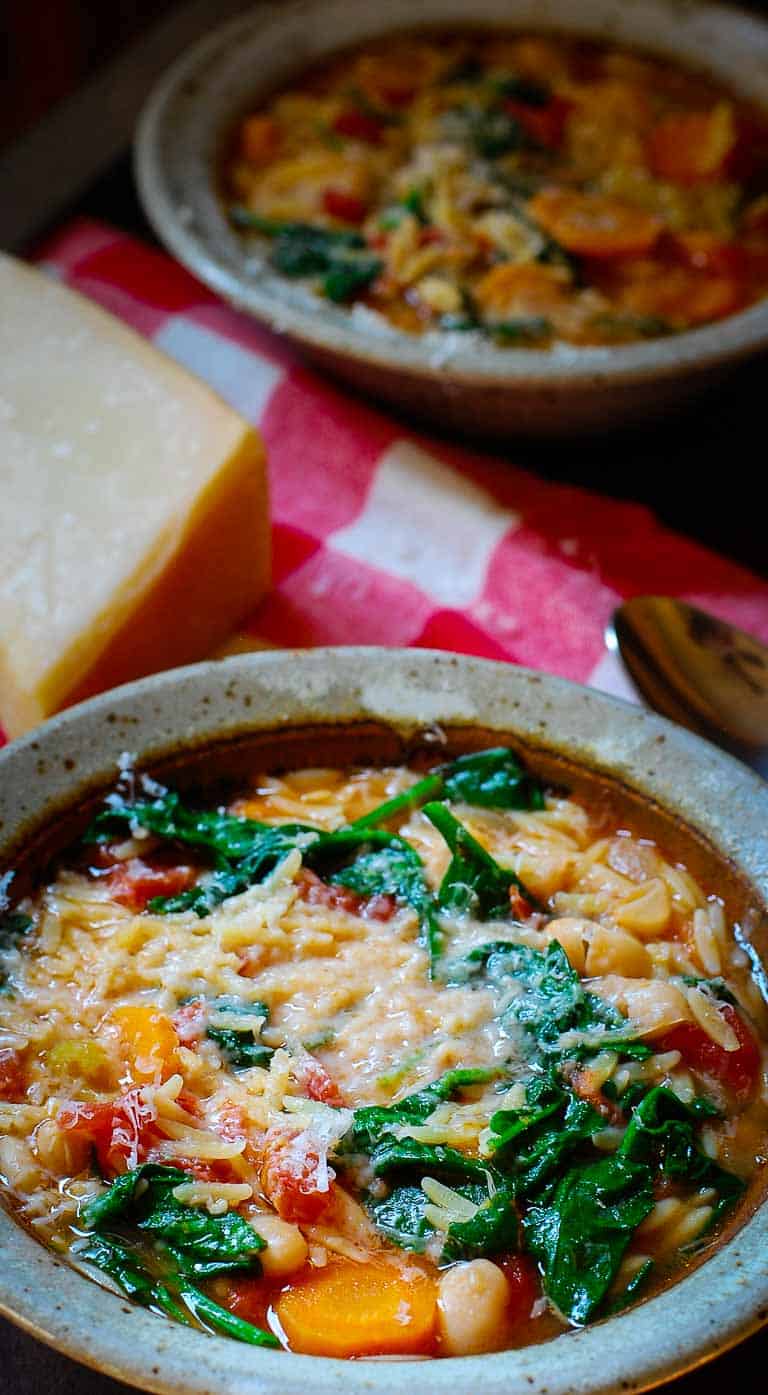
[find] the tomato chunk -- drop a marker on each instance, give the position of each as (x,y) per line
(13,1076)
(545,125)
(135,883)
(346,207)
(319,1084)
(319,893)
(524,1286)
(357,125)
(594,225)
(295,1174)
(692,147)
(122,1131)
(738,1071)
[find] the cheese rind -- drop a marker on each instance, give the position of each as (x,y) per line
(134,528)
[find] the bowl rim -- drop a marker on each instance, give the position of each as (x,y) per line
(467,361)
(723,1300)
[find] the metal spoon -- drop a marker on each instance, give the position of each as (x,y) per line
(699,671)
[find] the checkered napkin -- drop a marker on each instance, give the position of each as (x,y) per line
(383,537)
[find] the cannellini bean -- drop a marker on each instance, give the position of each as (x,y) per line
(615,951)
(60,1152)
(572,932)
(646,911)
(286,1248)
(18,1165)
(652,1004)
(472,1303)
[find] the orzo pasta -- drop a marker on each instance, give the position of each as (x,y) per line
(377,1061)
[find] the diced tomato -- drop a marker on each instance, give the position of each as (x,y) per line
(134,883)
(346,207)
(545,125)
(295,1174)
(397,96)
(524,1287)
(519,906)
(122,1131)
(580,1083)
(594,225)
(692,147)
(319,893)
(259,139)
(738,1071)
(429,235)
(702,251)
(319,1085)
(357,125)
(13,1075)
(249,1298)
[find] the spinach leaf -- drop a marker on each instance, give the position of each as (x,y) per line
(206,1311)
(436,1159)
(661,1133)
(549,1001)
(126,1269)
(201,1244)
(495,132)
(537,1141)
(400,1217)
(531,329)
(522,89)
(239,1046)
(493,1228)
(580,1235)
(474,880)
(305,249)
(118,1199)
(494,779)
(227,836)
(395,869)
(371,1122)
(13,926)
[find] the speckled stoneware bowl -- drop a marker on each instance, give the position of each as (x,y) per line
(336,705)
(458,380)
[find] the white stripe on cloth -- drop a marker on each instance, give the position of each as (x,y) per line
(428,524)
(244,379)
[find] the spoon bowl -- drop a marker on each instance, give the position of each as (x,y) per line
(699,671)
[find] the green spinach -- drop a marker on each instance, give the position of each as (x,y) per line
(474,880)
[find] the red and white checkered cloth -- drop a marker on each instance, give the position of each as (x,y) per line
(387,537)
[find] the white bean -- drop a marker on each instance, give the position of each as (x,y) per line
(472,1304)
(286,1248)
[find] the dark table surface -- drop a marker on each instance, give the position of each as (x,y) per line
(701,474)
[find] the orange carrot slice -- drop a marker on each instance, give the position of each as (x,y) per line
(594,225)
(689,147)
(349,1309)
(150,1043)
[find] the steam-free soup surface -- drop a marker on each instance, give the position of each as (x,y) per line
(525,188)
(377,1061)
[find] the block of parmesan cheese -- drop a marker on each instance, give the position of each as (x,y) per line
(134,529)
